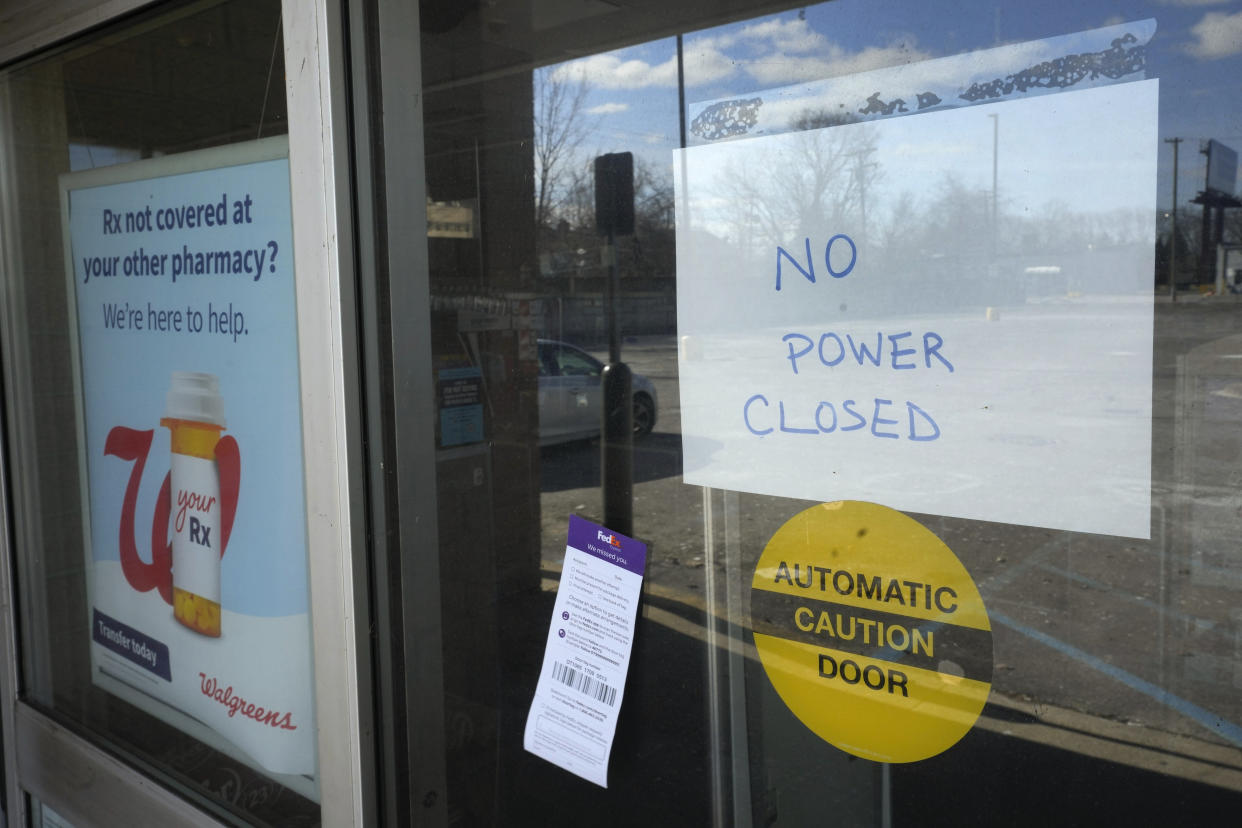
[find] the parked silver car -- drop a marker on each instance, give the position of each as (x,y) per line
(570,399)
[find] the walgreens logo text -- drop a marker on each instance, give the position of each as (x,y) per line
(236,704)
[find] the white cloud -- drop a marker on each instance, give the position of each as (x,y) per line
(608,71)
(708,65)
(774,52)
(783,69)
(608,109)
(1191,3)
(717,41)
(787,35)
(705,63)
(1217,35)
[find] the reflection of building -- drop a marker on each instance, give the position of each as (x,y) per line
(450,221)
(1229,268)
(1217,196)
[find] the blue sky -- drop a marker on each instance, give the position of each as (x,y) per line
(1196,53)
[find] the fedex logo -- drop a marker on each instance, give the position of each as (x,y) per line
(609,539)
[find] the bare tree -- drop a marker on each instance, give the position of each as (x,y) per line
(818,180)
(652,249)
(576,204)
(897,230)
(653,194)
(560,126)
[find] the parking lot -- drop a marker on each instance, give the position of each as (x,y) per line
(1117,650)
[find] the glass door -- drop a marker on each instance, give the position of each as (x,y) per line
(929,330)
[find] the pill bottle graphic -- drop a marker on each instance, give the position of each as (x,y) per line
(194,414)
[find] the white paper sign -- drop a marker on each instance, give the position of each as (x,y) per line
(573,716)
(947,313)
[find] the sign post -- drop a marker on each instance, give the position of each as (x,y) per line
(614,216)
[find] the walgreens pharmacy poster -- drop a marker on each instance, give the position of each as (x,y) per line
(182,272)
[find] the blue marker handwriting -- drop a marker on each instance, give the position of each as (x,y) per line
(832,350)
(878,417)
(839,264)
(827,418)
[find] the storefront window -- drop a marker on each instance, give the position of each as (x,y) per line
(923,257)
(835,410)
(149,289)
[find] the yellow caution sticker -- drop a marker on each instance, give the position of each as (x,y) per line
(872,631)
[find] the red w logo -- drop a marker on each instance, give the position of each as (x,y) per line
(134,445)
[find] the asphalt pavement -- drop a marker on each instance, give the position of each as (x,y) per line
(1117,680)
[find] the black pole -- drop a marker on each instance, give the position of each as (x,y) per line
(610,299)
(1205,230)
(681,90)
(614,215)
(1206,260)
(617,452)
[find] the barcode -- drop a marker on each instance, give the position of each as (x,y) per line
(584,684)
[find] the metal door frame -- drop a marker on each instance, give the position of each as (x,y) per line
(55,764)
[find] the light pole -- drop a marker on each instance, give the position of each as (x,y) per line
(995,156)
(1173,229)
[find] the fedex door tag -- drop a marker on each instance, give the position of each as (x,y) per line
(573,716)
